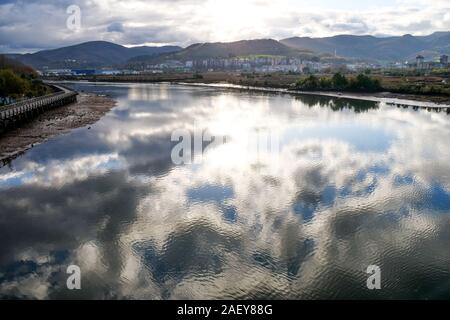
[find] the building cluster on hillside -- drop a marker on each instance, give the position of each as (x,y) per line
(421,64)
(260,64)
(245,63)
(251,63)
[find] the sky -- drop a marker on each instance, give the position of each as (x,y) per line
(32,25)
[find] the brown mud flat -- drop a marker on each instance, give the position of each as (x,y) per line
(87,110)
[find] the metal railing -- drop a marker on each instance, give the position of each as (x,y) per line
(15,109)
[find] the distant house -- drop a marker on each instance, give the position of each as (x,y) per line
(444,60)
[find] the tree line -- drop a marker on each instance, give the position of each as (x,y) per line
(339,82)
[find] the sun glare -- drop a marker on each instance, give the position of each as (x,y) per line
(230,20)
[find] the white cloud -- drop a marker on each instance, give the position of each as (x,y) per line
(183,22)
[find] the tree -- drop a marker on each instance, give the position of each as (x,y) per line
(325,83)
(11,84)
(309,83)
(339,81)
(365,83)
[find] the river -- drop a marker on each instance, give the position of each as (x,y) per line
(299,198)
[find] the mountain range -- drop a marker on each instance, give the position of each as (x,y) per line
(97,54)
(402,48)
(94,54)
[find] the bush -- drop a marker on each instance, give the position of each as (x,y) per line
(14,85)
(310,83)
(325,83)
(364,83)
(339,82)
(11,84)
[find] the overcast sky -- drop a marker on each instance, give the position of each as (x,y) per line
(31,25)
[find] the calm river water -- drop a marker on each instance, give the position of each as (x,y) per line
(345,184)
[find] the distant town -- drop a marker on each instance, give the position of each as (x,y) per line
(258,64)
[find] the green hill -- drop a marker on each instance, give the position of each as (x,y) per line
(244,48)
(94,54)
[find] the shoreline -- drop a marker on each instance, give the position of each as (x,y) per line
(402,99)
(386,97)
(88,109)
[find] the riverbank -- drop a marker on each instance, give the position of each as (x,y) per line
(399,100)
(87,110)
(270,81)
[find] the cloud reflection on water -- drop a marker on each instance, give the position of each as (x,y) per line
(302,224)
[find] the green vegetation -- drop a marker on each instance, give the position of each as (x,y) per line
(364,82)
(18,81)
(11,84)
(407,86)
(441,72)
(339,82)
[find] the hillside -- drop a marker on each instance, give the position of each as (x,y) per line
(231,49)
(97,54)
(15,66)
(93,54)
(18,81)
(234,49)
(369,47)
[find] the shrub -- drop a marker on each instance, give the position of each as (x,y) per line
(364,83)
(11,84)
(339,81)
(310,83)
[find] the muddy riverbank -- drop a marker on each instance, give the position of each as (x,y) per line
(87,110)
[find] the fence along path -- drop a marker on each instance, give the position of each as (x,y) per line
(13,114)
